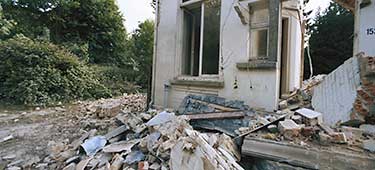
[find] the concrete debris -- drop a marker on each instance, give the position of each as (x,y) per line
(369,145)
(368,129)
(161,118)
(289,128)
(94,144)
(107,108)
(310,117)
(164,142)
(121,146)
(10,137)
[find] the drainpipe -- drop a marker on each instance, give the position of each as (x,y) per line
(167,87)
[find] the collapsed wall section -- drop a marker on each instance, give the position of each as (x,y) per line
(348,92)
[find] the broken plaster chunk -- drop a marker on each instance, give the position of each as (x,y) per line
(310,117)
(352,133)
(116,132)
(283,104)
(120,146)
(134,157)
(94,144)
(161,118)
(289,128)
(369,145)
(368,129)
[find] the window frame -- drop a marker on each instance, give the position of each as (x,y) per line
(190,5)
(253,42)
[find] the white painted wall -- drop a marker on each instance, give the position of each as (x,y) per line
(366,32)
(335,96)
(258,88)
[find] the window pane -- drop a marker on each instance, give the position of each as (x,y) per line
(192,27)
(260,41)
(211,37)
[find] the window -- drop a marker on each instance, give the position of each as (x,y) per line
(259,31)
(260,43)
(201,37)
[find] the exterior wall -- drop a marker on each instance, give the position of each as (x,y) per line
(366,29)
(258,88)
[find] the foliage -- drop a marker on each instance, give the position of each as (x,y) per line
(38,72)
(97,23)
(118,80)
(141,47)
(331,41)
(6,26)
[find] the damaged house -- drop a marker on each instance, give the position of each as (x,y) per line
(248,50)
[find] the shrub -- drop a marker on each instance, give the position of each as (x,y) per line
(39,73)
(118,80)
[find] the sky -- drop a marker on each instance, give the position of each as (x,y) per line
(136,11)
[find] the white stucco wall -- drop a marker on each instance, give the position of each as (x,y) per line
(366,32)
(258,88)
(335,96)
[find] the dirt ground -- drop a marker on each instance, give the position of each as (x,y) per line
(32,132)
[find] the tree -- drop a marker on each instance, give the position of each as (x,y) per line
(6,26)
(331,41)
(141,47)
(97,23)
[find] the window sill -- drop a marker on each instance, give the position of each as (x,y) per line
(210,82)
(257,65)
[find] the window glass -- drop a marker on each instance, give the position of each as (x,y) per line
(211,37)
(260,43)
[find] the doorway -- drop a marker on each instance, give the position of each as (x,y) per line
(284,72)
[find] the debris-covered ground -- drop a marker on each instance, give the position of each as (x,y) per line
(29,135)
(119,134)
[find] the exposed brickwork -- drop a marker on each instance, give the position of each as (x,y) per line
(364,105)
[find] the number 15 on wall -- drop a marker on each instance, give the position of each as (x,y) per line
(370,31)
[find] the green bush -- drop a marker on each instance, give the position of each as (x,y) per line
(118,80)
(39,73)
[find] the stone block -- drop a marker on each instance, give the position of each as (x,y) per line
(289,128)
(368,129)
(369,145)
(352,133)
(339,138)
(310,117)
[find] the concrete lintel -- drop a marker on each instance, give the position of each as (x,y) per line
(311,158)
(198,83)
(257,65)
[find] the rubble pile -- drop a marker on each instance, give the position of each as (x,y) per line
(107,108)
(306,126)
(149,140)
(302,97)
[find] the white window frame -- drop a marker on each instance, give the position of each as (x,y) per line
(202,6)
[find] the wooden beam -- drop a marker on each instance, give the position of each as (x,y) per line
(218,115)
(216,106)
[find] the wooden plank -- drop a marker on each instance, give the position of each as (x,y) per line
(261,127)
(217,115)
(216,106)
(311,158)
(327,129)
